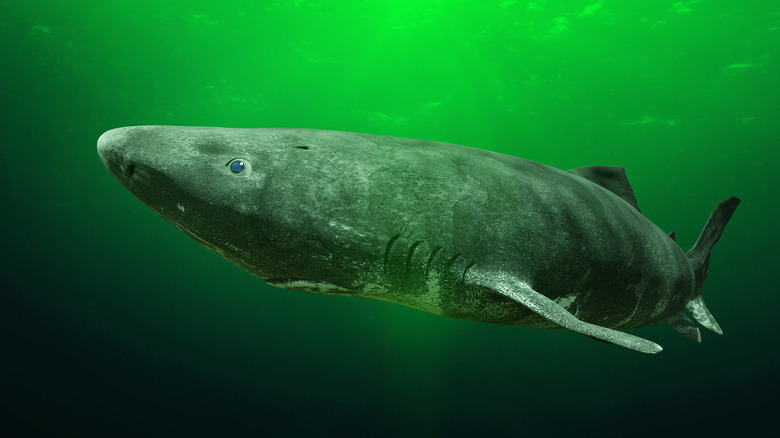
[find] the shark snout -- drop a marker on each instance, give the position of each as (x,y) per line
(109,143)
(112,148)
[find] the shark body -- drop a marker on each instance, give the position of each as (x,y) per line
(447,229)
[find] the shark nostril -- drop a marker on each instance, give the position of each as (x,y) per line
(129,170)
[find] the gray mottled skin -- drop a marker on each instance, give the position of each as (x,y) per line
(448,229)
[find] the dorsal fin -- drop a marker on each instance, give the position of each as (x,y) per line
(612,178)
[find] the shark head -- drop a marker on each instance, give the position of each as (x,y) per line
(239,192)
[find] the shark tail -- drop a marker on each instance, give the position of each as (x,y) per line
(699,256)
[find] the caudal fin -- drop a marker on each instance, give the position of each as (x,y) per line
(699,256)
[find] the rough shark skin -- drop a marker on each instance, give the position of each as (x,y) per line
(447,229)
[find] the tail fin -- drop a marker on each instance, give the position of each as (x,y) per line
(699,256)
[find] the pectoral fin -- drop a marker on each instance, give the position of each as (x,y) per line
(683,325)
(523,293)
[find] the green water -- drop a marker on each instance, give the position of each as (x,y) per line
(114,322)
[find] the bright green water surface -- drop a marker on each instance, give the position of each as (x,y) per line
(113,322)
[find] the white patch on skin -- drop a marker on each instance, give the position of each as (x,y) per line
(180,207)
(308,286)
(345,228)
(565,301)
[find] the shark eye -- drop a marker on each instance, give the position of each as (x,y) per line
(240,167)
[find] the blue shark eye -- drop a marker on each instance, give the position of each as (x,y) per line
(237,166)
(240,167)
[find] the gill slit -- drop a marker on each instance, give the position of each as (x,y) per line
(430,259)
(452,261)
(409,256)
(463,278)
(388,247)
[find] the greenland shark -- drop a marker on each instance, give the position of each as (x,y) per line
(447,229)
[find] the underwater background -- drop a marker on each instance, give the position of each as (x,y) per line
(115,323)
